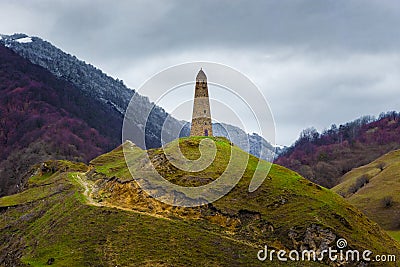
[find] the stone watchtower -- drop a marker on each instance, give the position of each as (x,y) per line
(201,119)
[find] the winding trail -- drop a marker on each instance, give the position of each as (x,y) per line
(88,189)
(88,186)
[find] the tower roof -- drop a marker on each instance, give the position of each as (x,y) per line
(201,76)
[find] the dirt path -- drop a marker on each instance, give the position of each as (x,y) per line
(88,186)
(88,189)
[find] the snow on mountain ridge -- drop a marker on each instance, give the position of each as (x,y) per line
(24,40)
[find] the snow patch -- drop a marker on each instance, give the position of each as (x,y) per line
(24,40)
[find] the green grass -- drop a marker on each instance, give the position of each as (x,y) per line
(40,179)
(395,235)
(45,184)
(113,163)
(26,196)
(43,187)
(382,183)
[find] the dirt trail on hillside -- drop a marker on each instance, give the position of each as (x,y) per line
(88,189)
(88,186)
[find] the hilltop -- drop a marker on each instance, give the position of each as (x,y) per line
(74,214)
(374,189)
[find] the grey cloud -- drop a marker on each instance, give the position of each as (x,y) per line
(318,62)
(142,27)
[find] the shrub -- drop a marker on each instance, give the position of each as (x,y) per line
(387,202)
(360,182)
(381,165)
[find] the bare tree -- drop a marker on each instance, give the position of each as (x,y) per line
(381,165)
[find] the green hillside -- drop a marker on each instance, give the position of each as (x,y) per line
(375,190)
(71,214)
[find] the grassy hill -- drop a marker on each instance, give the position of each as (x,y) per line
(71,214)
(375,189)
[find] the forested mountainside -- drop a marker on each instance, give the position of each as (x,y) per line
(110,93)
(324,157)
(43,117)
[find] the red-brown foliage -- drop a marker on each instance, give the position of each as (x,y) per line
(324,158)
(42,117)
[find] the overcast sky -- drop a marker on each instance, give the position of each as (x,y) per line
(317,62)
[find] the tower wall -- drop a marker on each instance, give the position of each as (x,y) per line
(201,118)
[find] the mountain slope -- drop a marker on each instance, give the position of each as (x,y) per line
(375,189)
(42,117)
(97,214)
(110,94)
(324,158)
(252,143)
